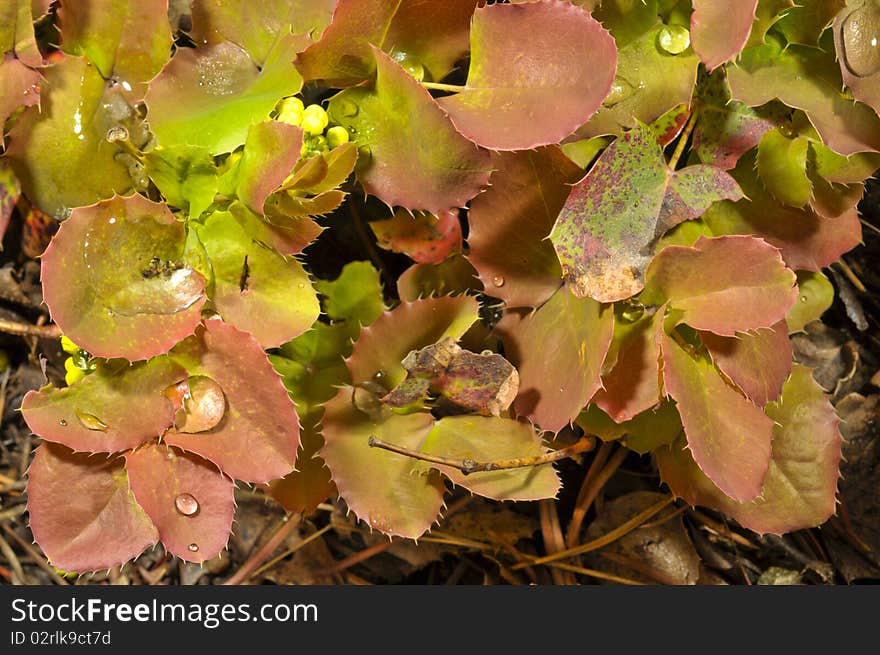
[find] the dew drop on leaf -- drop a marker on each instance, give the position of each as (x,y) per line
(674,39)
(348,108)
(498,281)
(194,548)
(91,421)
(203,407)
(620,91)
(186,504)
(62,422)
(861,40)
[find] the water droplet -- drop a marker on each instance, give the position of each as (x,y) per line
(348,108)
(674,39)
(194,548)
(62,422)
(861,40)
(498,281)
(620,91)
(803,299)
(203,405)
(378,375)
(112,220)
(91,422)
(117,133)
(186,504)
(632,312)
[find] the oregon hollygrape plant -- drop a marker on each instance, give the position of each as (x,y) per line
(649,192)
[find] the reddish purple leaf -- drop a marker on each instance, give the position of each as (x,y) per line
(270,153)
(509,223)
(800,487)
(258,438)
(19,87)
(568,56)
(559,351)
(758,363)
(425,238)
(723,285)
(134,297)
(189,501)
(728,435)
(116,408)
(82,512)
(720,29)
(452,277)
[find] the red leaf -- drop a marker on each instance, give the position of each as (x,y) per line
(258,438)
(19,87)
(568,56)
(425,238)
(270,153)
(188,499)
(720,30)
(82,512)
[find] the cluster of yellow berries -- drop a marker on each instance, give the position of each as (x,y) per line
(313,120)
(78,365)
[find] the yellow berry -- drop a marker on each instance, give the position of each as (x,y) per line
(68,346)
(72,374)
(336,136)
(314,120)
(290,110)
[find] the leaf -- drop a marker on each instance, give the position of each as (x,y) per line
(99,525)
(115,408)
(649,82)
(134,297)
(768,14)
(188,500)
(728,436)
(855,41)
(258,438)
(807,240)
(185,175)
(270,152)
(782,167)
(424,238)
(559,351)
(801,483)
(632,386)
(19,87)
(804,23)
(310,484)
(508,84)
(720,29)
(605,232)
(815,296)
(509,223)
(453,276)
(72,124)
(844,170)
(443,173)
(128,41)
(210,96)
(17,32)
(334,168)
(256,288)
(432,36)
(282,207)
(377,485)
(723,285)
(10,190)
(381,346)
(758,362)
(807,79)
(627,19)
(491,439)
(256,26)
(354,298)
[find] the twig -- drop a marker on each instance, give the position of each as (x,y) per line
(13,512)
(851,276)
(468,466)
(247,569)
(682,141)
(553,539)
(438,86)
(601,575)
(356,558)
(722,530)
(595,479)
(50,331)
(641,567)
(3,392)
(9,554)
(869,225)
(664,519)
(36,558)
(290,551)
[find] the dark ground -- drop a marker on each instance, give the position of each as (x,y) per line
(481,542)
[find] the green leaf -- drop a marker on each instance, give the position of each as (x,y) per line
(559,351)
(509,223)
(333,168)
(644,433)
(377,485)
(310,484)
(844,170)
(723,285)
(134,296)
(19,87)
(815,295)
(271,150)
(728,435)
(769,13)
(807,79)
(424,238)
(128,41)
(491,439)
(185,175)
(353,298)
(17,32)
(453,276)
(74,533)
(444,172)
(72,124)
(855,41)
(721,29)
(800,487)
(782,166)
(509,80)
(210,96)
(627,20)
(188,500)
(10,190)
(256,287)
(804,23)
(115,408)
(605,233)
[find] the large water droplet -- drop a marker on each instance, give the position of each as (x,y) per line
(194,548)
(348,108)
(62,422)
(674,39)
(91,421)
(204,405)
(620,91)
(498,281)
(186,504)
(860,33)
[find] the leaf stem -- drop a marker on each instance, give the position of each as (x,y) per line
(437,86)
(468,466)
(682,141)
(243,574)
(51,331)
(595,479)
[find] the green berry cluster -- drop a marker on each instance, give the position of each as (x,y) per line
(78,364)
(318,135)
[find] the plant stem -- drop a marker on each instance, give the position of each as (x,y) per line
(682,141)
(253,562)
(468,466)
(594,481)
(51,331)
(37,559)
(437,86)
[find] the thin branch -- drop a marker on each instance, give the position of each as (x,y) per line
(595,479)
(468,466)
(437,86)
(36,558)
(593,573)
(856,282)
(256,559)
(50,331)
(682,141)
